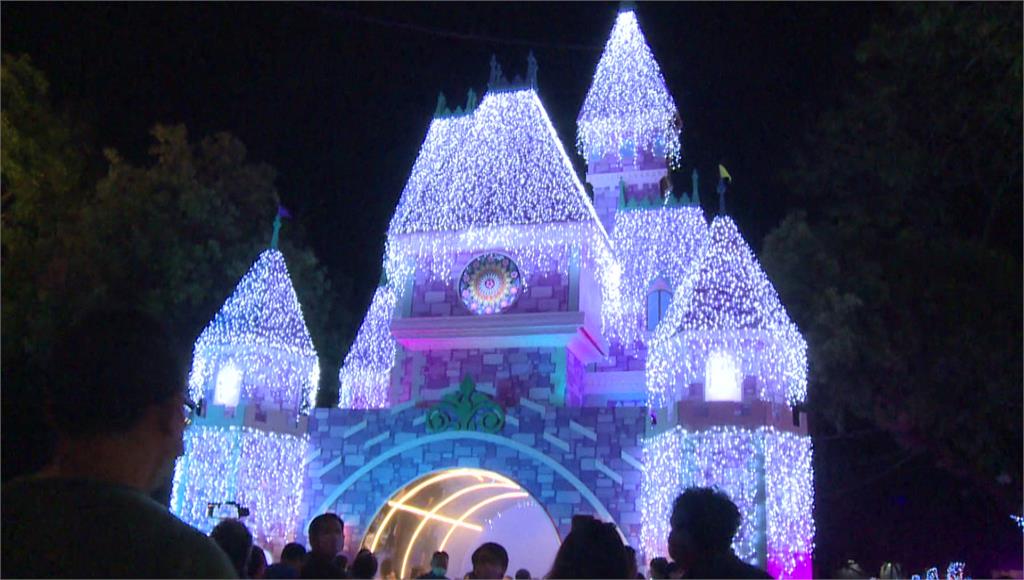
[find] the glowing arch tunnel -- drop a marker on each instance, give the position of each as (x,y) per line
(456,510)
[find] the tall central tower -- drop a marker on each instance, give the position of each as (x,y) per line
(628,127)
(706,345)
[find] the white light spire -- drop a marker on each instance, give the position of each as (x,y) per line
(628,102)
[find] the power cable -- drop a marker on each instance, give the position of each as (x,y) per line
(443,33)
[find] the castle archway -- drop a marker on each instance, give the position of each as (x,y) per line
(456,510)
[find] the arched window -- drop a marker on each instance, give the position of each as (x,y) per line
(657,306)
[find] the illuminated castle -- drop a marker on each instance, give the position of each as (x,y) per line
(532,352)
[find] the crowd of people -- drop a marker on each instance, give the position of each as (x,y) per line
(703,524)
(118,405)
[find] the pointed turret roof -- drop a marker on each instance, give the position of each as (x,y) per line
(501,165)
(728,304)
(730,290)
(263,310)
(628,101)
(365,375)
(263,314)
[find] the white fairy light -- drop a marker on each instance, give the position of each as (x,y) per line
(628,105)
(652,244)
(261,330)
(737,462)
(260,470)
(728,305)
(500,165)
(366,373)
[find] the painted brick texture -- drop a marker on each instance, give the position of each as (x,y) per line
(355,469)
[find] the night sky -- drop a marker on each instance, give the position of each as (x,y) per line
(338,97)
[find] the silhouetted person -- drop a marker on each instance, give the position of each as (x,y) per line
(292,557)
(490,561)
(364,565)
(438,567)
(593,549)
(235,539)
(523,574)
(630,562)
(326,537)
(116,399)
(851,570)
(704,522)
(341,561)
(257,568)
(658,568)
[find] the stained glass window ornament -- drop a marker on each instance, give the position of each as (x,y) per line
(490,284)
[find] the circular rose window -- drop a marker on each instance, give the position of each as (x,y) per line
(490,283)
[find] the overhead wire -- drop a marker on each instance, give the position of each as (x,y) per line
(446,33)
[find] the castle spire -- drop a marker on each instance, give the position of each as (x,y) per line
(531,71)
(281,213)
(628,102)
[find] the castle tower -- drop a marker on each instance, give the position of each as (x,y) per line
(255,372)
(628,131)
(724,373)
(628,127)
(495,256)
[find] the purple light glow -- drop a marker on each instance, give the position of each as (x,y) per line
(738,462)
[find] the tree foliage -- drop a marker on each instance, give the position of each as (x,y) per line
(171,236)
(903,266)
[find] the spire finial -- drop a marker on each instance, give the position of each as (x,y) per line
(442,105)
(277,232)
(495,79)
(531,71)
(470,100)
(281,213)
(627,6)
(724,181)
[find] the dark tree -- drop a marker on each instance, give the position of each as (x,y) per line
(904,267)
(172,236)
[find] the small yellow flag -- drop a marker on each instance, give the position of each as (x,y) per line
(723,174)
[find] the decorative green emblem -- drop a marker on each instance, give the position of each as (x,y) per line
(466,410)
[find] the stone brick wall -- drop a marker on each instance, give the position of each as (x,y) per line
(572,460)
(614,163)
(606,199)
(507,374)
(623,359)
(547,291)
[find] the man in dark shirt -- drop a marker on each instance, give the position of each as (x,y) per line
(704,522)
(117,402)
(292,557)
(326,537)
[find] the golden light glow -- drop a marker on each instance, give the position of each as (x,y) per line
(438,517)
(479,474)
(446,501)
(473,509)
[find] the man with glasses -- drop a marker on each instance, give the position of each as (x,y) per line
(116,401)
